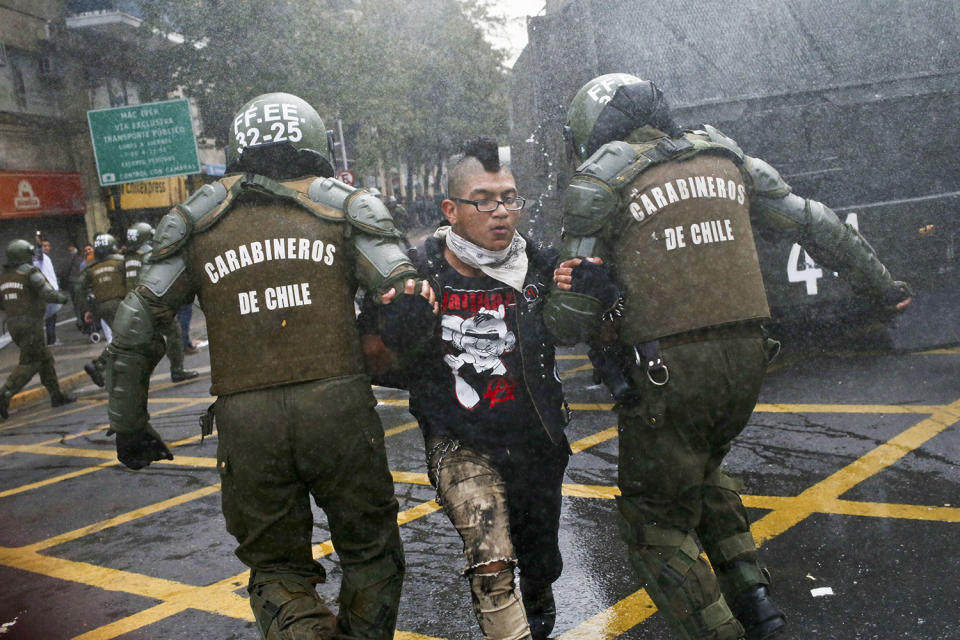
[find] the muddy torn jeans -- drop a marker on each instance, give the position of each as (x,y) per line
(505,504)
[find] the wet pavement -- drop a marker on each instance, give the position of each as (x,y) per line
(850,464)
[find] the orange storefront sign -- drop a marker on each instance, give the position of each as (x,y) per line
(29,194)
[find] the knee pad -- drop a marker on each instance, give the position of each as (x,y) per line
(370,595)
(681,583)
(289,608)
(497,606)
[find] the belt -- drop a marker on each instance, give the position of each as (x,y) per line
(748,329)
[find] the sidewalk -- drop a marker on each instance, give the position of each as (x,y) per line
(76,351)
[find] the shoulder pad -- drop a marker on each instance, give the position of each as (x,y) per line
(330,192)
(766,180)
(608,161)
(158,276)
(367,212)
(587,204)
(26,269)
(196,213)
(714,135)
(210,202)
(204,200)
(171,234)
(34,276)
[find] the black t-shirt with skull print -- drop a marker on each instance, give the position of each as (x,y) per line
(473,390)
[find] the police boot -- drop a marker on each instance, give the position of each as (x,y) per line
(757,613)
(4,404)
(183,374)
(540,607)
(61,398)
(94,372)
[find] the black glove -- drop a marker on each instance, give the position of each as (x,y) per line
(897,294)
(407,321)
(595,280)
(138,449)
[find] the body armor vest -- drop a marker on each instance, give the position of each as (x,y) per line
(685,253)
(106,279)
(19,298)
(278,297)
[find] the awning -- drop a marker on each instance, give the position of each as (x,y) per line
(31,194)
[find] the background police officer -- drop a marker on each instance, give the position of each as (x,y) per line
(139,236)
(103,282)
(672,213)
(275,255)
(24,295)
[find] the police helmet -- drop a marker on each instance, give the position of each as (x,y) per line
(281,136)
(104,245)
(609,107)
(139,234)
(19,252)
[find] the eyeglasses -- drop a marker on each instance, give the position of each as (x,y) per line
(514,203)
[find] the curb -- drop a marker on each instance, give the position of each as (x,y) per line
(38,394)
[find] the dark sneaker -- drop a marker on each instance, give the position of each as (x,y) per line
(758,614)
(4,405)
(94,374)
(540,607)
(180,376)
(62,398)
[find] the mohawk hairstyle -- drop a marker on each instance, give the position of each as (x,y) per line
(483,149)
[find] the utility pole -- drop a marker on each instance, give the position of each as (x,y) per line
(343,144)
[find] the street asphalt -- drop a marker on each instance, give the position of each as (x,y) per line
(849,463)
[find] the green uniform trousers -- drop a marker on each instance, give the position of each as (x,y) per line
(172,336)
(675,497)
(106,311)
(28,334)
(278,447)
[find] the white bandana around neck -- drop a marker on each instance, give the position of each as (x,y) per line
(508,265)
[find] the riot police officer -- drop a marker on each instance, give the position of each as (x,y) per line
(102,281)
(672,213)
(139,236)
(275,254)
(24,294)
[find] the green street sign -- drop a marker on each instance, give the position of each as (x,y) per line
(143,141)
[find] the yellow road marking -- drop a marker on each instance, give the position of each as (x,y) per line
(45,414)
(821,498)
(408,477)
(393,402)
(591,406)
(595,439)
(132,623)
(846,408)
(122,518)
(868,465)
(615,620)
(572,357)
(569,372)
(938,352)
(404,427)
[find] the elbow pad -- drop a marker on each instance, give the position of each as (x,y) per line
(572,317)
